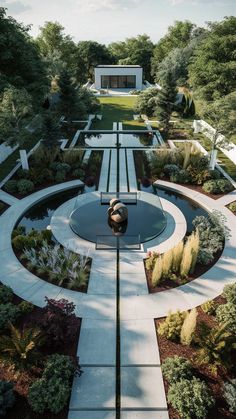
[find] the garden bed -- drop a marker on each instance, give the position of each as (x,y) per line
(167,284)
(3,207)
(169,348)
(22,379)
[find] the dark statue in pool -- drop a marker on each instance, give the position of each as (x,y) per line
(117,211)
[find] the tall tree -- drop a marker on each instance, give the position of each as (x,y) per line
(221,115)
(15,107)
(147,101)
(20,62)
(178,36)
(135,51)
(69,105)
(90,54)
(166,101)
(50,131)
(57,49)
(212,72)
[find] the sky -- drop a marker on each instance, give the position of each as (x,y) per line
(107,21)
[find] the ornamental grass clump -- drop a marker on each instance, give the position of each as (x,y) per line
(157,272)
(177,256)
(188,327)
(63,267)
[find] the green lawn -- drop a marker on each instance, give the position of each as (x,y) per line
(117,109)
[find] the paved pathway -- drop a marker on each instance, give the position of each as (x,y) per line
(6,197)
(142,392)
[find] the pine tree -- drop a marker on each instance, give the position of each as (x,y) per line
(188,328)
(166,101)
(69,105)
(50,131)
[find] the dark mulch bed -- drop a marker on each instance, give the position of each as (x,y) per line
(22,380)
(3,207)
(215,383)
(168,283)
(46,278)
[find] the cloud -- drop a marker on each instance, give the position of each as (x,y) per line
(107,5)
(194,2)
(15,7)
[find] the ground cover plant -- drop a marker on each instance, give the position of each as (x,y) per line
(50,261)
(199,374)
(37,352)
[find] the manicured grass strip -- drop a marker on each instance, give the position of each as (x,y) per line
(118,109)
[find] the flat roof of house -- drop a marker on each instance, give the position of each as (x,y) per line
(118,66)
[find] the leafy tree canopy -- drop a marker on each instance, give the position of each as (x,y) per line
(20,63)
(212,72)
(134,51)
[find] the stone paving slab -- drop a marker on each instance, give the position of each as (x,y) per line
(39,291)
(104,171)
(144,414)
(133,283)
(139,343)
(102,283)
(95,389)
(20,281)
(6,197)
(97,343)
(142,388)
(92,414)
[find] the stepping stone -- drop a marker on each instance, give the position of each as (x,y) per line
(95,389)
(139,343)
(97,342)
(142,388)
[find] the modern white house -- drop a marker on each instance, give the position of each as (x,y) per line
(118,77)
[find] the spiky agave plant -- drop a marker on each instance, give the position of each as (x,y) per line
(21,347)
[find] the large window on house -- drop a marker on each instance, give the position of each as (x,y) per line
(116,82)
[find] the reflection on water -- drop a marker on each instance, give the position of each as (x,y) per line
(189,208)
(39,216)
(145,139)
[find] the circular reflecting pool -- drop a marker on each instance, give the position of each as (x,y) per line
(146,220)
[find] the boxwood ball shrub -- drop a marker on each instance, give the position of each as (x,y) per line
(209,307)
(26,307)
(6,294)
(7,398)
(172,325)
(8,313)
(226,313)
(176,368)
(25,186)
(11,186)
(60,176)
(191,398)
(229,292)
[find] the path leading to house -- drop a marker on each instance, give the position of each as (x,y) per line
(122,374)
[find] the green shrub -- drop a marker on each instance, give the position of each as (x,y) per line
(23,242)
(209,307)
(11,186)
(217,186)
(60,176)
(61,167)
(171,326)
(6,294)
(46,235)
(8,313)
(232,206)
(214,174)
(230,395)
(78,173)
(229,292)
(25,186)
(191,398)
(23,174)
(181,177)
(7,398)
(26,307)
(52,391)
(18,231)
(226,313)
(171,169)
(177,368)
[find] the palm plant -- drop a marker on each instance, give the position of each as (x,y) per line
(21,347)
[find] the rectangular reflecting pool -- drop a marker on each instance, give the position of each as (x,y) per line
(110,139)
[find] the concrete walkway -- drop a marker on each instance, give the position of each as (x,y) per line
(7,198)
